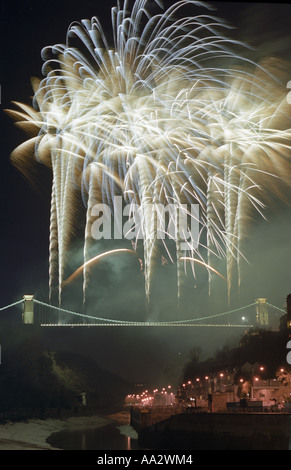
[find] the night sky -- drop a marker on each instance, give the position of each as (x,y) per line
(28,26)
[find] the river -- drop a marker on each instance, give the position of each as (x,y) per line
(113,436)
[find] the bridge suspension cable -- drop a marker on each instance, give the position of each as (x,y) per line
(114,322)
(276,308)
(100,321)
(12,305)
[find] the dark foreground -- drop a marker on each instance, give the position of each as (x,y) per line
(219,431)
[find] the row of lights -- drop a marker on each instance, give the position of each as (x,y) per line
(198,379)
(221,375)
(145,397)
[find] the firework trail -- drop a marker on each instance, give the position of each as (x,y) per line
(78,271)
(170,113)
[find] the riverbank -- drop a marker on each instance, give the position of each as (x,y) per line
(33,434)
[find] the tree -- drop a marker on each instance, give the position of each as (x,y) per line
(194,354)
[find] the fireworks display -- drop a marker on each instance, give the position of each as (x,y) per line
(166,109)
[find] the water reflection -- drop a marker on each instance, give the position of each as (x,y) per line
(104,438)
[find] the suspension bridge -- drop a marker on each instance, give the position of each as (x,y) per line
(38,312)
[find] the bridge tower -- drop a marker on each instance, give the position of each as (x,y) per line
(262,315)
(27,314)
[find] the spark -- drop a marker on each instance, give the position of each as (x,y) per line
(172,113)
(93,260)
(195,260)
